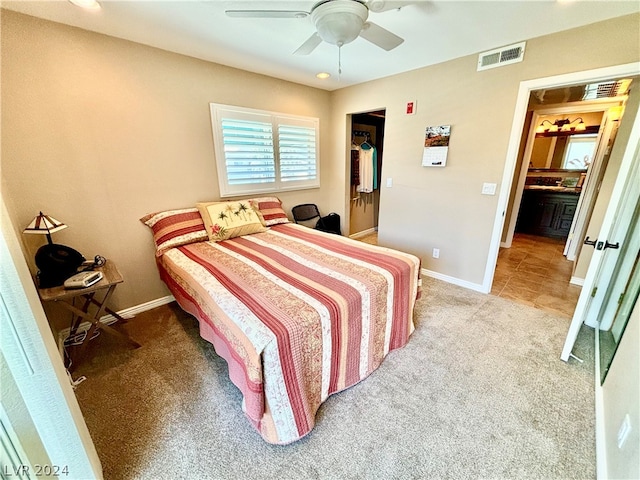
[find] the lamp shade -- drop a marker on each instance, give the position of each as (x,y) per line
(44,225)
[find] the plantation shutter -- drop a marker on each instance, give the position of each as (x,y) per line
(258,151)
(248,152)
(297,153)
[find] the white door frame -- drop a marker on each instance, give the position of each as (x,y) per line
(520,112)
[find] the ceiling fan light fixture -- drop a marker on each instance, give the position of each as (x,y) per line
(323,75)
(340,21)
(87,4)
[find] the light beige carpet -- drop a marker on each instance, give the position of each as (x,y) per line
(479,392)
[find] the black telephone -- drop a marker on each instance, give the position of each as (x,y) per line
(56,263)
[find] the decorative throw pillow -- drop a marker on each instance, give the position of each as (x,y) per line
(172,228)
(270,210)
(225,220)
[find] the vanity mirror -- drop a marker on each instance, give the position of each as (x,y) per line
(565,143)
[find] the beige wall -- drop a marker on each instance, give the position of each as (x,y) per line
(98,131)
(620,395)
(443,207)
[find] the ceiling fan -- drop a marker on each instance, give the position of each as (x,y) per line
(337,22)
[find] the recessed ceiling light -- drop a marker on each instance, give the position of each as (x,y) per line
(323,75)
(88,4)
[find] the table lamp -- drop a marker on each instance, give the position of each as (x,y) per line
(55,262)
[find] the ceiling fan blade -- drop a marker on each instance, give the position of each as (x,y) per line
(379,36)
(266,13)
(309,46)
(377,6)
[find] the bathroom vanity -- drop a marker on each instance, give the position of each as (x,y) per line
(547,211)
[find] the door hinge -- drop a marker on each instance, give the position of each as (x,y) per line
(621,298)
(593,292)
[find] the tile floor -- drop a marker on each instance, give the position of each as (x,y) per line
(533,272)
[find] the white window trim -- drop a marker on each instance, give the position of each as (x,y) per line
(221,111)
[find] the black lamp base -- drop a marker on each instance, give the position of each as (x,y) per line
(56,263)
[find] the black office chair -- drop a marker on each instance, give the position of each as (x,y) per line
(306,214)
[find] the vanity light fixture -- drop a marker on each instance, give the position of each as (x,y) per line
(562,125)
(88,4)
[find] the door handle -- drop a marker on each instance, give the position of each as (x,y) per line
(590,242)
(604,245)
(611,245)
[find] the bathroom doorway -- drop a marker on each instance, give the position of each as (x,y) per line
(540,262)
(367,149)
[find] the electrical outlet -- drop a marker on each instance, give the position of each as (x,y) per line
(436,253)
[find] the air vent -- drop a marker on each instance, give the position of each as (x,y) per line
(501,56)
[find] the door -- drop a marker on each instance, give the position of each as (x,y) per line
(622,297)
(599,282)
(40,420)
(589,195)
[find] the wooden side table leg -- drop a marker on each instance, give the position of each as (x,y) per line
(83,346)
(96,324)
(75,323)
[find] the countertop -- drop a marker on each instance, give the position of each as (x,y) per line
(553,188)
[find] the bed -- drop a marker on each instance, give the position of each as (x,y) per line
(298,314)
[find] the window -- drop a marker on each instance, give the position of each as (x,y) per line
(258,151)
(579,151)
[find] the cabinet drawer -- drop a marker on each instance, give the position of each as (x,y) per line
(565,225)
(568,209)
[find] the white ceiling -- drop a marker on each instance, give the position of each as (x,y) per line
(434,31)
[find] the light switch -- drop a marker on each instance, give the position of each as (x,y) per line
(489,188)
(389,182)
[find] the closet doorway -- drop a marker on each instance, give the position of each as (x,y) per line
(367,142)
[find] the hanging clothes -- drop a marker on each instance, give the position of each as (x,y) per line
(368,172)
(355,166)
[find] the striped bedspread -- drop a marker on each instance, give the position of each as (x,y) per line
(298,314)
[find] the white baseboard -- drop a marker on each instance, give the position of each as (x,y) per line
(364,233)
(456,281)
(109,319)
(143,307)
(577,281)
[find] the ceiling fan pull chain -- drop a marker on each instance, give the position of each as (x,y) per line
(339,61)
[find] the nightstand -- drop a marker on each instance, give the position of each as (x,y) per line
(105,288)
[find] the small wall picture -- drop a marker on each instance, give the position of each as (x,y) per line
(436,146)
